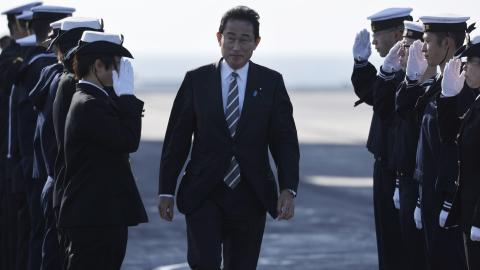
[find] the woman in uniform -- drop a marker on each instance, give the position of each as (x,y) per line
(103,127)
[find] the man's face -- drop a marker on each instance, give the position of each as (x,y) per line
(434,51)
(17,30)
(472,72)
(105,74)
(237,42)
(403,52)
(384,40)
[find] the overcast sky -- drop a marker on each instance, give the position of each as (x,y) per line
(308,41)
(287,27)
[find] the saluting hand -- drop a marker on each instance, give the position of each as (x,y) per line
(165,207)
(453,78)
(392,60)
(417,63)
(286,205)
(362,48)
(123,79)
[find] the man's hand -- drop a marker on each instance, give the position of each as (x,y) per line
(165,207)
(442,219)
(475,234)
(392,60)
(396,194)
(417,216)
(416,63)
(286,205)
(453,78)
(362,48)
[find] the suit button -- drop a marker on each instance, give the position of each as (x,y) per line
(234,149)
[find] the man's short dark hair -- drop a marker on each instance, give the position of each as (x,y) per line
(82,64)
(458,37)
(41,27)
(242,13)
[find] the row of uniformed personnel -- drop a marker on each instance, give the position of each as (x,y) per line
(66,94)
(424,136)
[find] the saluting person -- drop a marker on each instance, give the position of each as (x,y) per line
(100,198)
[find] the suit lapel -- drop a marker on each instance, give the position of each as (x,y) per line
(251,84)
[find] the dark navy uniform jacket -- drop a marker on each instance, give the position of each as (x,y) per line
(407,126)
(436,165)
(7,57)
(66,89)
(459,125)
(428,149)
(42,96)
(35,61)
(378,91)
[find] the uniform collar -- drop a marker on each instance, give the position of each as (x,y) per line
(94,85)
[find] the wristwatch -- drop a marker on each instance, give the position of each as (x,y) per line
(294,194)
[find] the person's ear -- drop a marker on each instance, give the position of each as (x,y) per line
(398,34)
(257,41)
(219,38)
(99,65)
(446,42)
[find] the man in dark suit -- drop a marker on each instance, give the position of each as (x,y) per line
(236,110)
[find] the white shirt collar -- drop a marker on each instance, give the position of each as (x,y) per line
(226,70)
(94,85)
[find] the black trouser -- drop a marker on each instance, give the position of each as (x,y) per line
(472,252)
(14,231)
(37,224)
(96,248)
(50,247)
(444,248)
(413,238)
(391,251)
(234,218)
(17,219)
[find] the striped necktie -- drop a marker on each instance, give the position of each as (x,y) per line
(232,115)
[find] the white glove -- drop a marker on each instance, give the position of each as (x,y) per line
(417,216)
(475,234)
(123,80)
(362,48)
(396,194)
(392,60)
(444,213)
(417,63)
(453,80)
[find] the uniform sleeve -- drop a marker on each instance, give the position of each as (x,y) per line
(61,104)
(406,98)
(448,119)
(384,90)
(178,138)
(283,140)
(363,78)
(118,131)
(476,214)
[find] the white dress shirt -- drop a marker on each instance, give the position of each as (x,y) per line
(226,74)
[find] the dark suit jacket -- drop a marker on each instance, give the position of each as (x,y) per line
(63,98)
(99,188)
(266,122)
